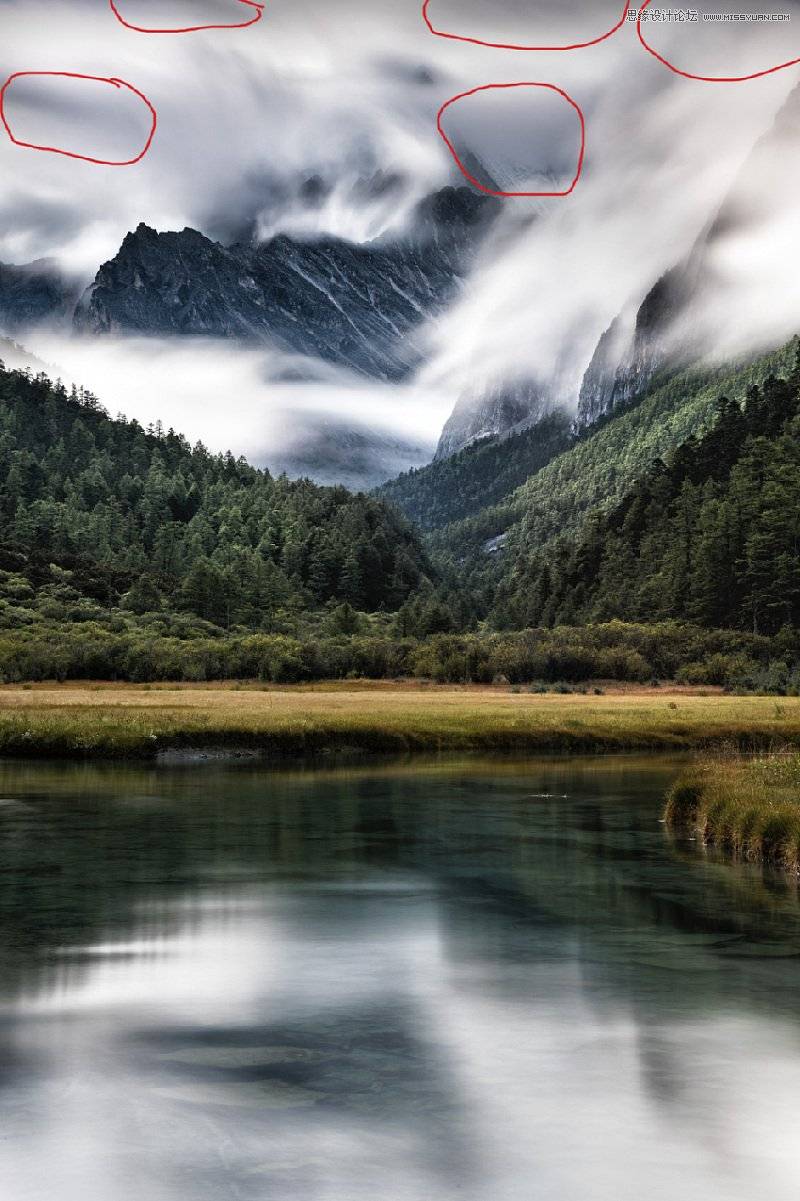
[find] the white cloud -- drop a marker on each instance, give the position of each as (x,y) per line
(265,405)
(322,119)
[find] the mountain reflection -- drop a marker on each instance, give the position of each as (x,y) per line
(415,981)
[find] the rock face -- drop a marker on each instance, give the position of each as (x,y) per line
(631,353)
(357,306)
(32,294)
(678,318)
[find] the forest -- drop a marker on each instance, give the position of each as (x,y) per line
(106,511)
(482,474)
(127,554)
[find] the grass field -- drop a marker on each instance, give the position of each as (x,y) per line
(749,808)
(107,721)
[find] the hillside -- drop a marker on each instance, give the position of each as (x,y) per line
(126,554)
(599,468)
(711,536)
(482,474)
(97,508)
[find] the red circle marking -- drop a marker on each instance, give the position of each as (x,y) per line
(116,83)
(705,78)
(193,28)
(488,87)
(457,37)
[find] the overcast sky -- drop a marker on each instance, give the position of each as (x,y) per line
(349,90)
(338,87)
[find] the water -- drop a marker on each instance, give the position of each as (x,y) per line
(483,981)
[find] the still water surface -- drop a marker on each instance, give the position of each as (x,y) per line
(483,981)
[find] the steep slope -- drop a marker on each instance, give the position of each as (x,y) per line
(482,474)
(710,536)
(353,305)
(679,319)
(631,353)
(143,513)
(491,414)
(596,472)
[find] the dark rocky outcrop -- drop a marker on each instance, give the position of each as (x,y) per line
(676,320)
(34,293)
(357,306)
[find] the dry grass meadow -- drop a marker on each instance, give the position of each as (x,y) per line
(106,720)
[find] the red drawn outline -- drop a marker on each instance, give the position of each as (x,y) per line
(101,162)
(704,78)
(487,87)
(457,37)
(193,28)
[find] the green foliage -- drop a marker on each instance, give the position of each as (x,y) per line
(592,475)
(711,536)
(138,519)
(84,642)
(746,807)
(481,475)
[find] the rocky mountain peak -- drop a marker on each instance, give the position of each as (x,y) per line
(354,305)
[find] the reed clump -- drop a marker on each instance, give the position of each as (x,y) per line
(746,807)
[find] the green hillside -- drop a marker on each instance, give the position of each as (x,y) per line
(596,472)
(480,475)
(710,536)
(103,510)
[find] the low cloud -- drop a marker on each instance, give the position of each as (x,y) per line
(662,154)
(321,119)
(279,411)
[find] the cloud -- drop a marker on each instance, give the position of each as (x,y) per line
(278,410)
(321,119)
(244,119)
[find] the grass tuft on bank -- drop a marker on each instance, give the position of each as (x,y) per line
(748,808)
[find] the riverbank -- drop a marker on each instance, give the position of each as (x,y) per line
(111,721)
(748,808)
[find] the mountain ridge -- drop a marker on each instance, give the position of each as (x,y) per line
(357,305)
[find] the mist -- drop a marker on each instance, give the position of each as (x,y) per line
(279,411)
(320,120)
(662,155)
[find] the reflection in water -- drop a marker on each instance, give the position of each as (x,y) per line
(427,982)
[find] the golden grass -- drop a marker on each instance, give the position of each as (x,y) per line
(749,808)
(108,720)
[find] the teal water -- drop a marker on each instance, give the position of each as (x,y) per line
(416,982)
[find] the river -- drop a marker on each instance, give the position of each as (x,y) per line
(418,981)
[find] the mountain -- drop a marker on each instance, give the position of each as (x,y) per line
(630,355)
(482,474)
(709,536)
(357,306)
(495,545)
(34,293)
(97,508)
(679,318)
(492,414)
